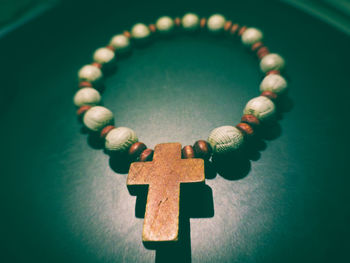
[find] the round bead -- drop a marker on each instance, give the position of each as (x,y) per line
(120,139)
(261,107)
(120,42)
(225,139)
(165,24)
(103,56)
(251,120)
(190,21)
(275,83)
(97,117)
(272,62)
(216,23)
(251,36)
(90,73)
(188,152)
(202,149)
(136,149)
(146,155)
(87,96)
(140,31)
(245,128)
(106,130)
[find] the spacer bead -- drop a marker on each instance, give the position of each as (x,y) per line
(251,120)
(262,52)
(257,45)
(188,152)
(152,28)
(241,30)
(135,150)
(202,149)
(228,25)
(269,94)
(234,29)
(81,111)
(146,155)
(127,34)
(177,21)
(110,47)
(277,72)
(97,65)
(106,130)
(84,84)
(203,22)
(246,129)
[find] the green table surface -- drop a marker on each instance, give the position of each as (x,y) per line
(285,199)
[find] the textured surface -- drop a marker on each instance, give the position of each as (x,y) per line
(64,200)
(163,176)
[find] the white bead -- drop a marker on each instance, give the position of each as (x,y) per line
(140,31)
(96,118)
(120,43)
(216,23)
(87,96)
(261,107)
(165,24)
(272,62)
(225,139)
(275,83)
(120,139)
(190,21)
(104,55)
(90,73)
(251,36)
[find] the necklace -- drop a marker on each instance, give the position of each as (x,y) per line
(168,165)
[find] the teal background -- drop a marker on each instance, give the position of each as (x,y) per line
(65,200)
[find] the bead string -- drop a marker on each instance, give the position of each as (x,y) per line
(221,140)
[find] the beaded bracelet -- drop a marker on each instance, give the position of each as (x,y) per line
(221,140)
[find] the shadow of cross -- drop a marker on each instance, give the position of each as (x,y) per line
(163,176)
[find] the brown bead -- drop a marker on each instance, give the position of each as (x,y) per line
(228,25)
(257,45)
(245,128)
(110,48)
(136,149)
(269,94)
(203,22)
(127,34)
(188,152)
(273,72)
(106,130)
(241,31)
(152,27)
(202,149)
(177,21)
(85,84)
(81,111)
(251,120)
(96,64)
(146,155)
(262,52)
(234,29)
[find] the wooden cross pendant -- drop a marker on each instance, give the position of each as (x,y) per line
(163,176)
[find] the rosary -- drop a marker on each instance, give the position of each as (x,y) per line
(168,165)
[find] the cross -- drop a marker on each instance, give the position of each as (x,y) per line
(163,176)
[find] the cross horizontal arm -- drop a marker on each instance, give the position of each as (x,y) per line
(192,171)
(139,173)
